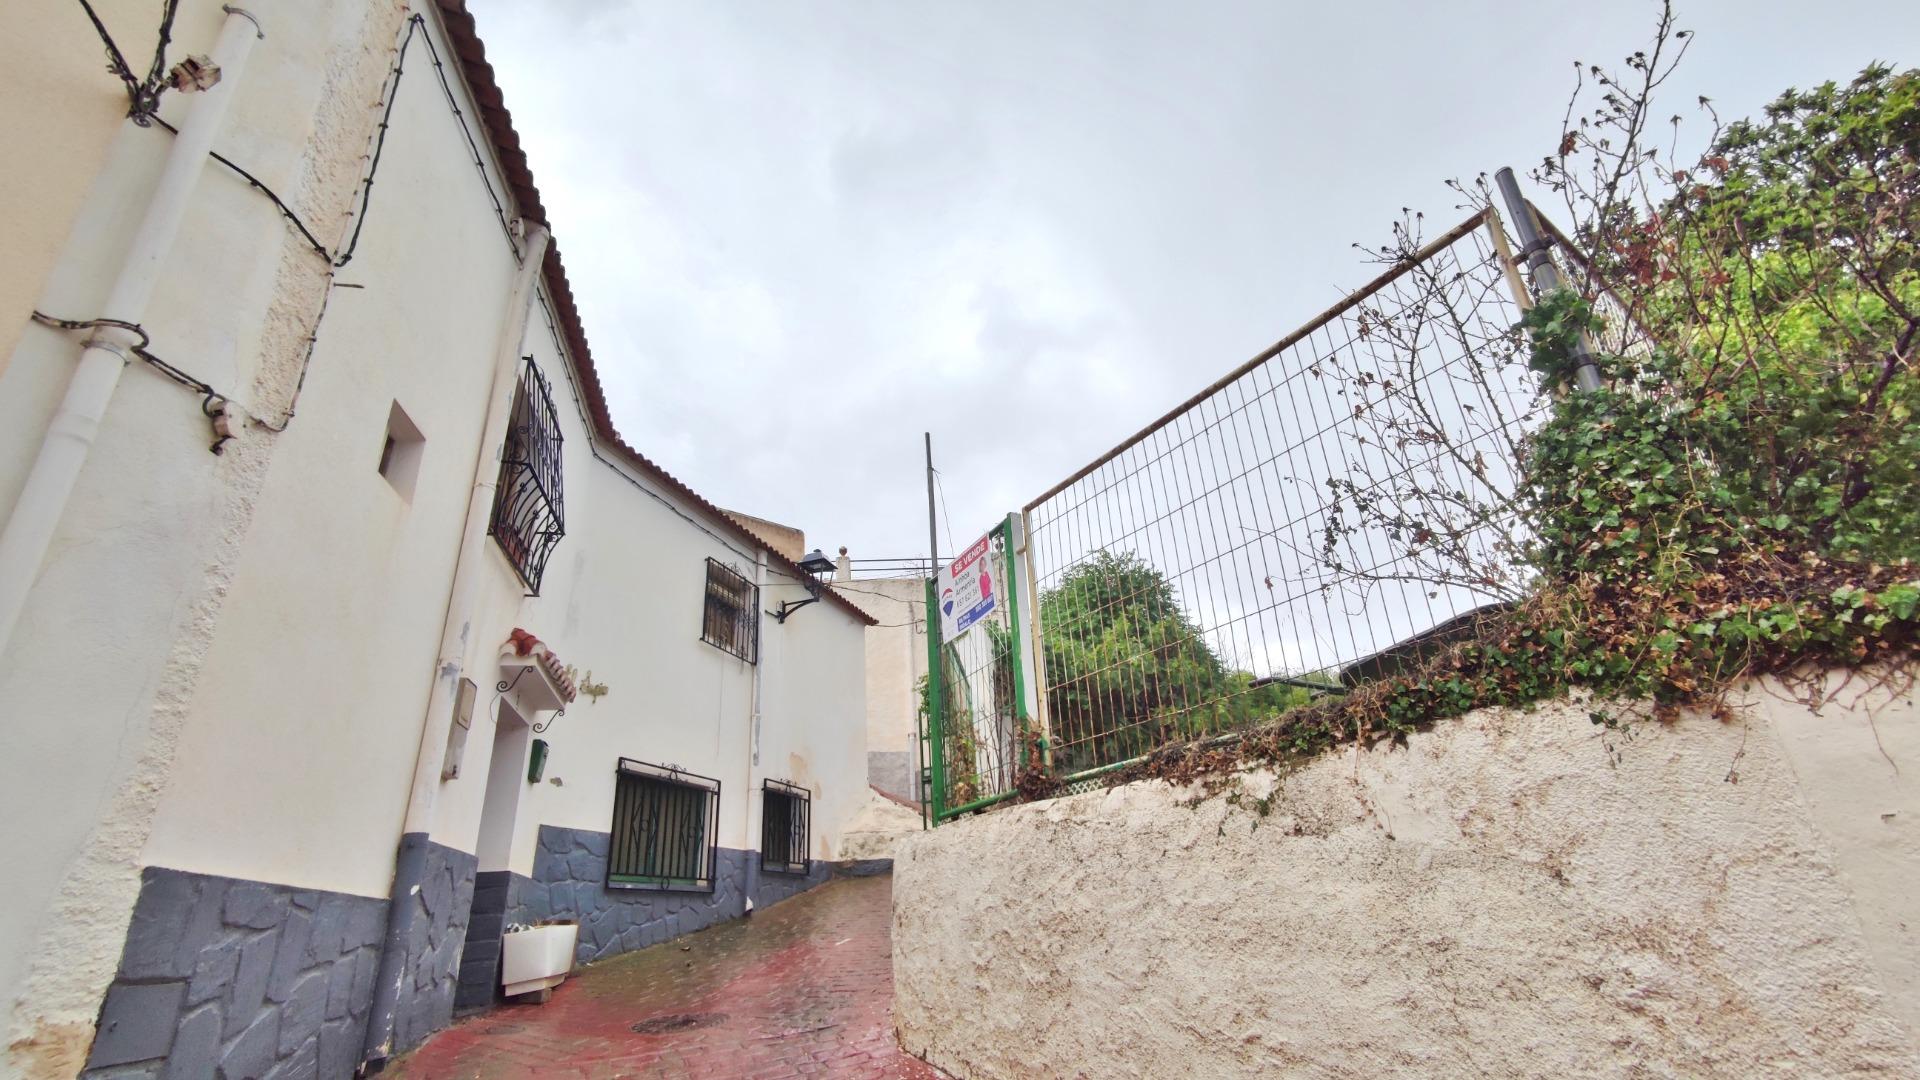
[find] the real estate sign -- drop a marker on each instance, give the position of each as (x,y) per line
(964,590)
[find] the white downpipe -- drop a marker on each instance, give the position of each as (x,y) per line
(43,500)
(458,628)
(753,738)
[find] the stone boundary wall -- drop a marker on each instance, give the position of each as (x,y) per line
(1509,894)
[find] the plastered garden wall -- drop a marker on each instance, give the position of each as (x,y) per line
(1509,894)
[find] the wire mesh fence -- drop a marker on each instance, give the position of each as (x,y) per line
(978,697)
(1306,522)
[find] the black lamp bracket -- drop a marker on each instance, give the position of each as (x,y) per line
(814,587)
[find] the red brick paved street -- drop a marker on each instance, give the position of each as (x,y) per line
(803,988)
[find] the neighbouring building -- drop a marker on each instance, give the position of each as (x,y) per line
(896,662)
(339,627)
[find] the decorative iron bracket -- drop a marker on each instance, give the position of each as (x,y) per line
(505,686)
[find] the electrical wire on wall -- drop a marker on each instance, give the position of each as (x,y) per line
(213,403)
(143,95)
(392,95)
(254,181)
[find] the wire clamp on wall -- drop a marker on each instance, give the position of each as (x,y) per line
(217,407)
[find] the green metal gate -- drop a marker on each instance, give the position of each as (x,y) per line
(980,733)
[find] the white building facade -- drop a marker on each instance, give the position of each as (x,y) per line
(425,649)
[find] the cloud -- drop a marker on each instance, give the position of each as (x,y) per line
(803,234)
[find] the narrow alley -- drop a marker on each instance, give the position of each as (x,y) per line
(804,988)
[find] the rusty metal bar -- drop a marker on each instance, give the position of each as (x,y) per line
(1508,265)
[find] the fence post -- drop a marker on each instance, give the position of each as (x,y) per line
(936,671)
(1020,640)
(936,708)
(922,776)
(1546,276)
(1509,269)
(1036,653)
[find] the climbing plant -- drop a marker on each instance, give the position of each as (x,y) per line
(1742,497)
(1127,668)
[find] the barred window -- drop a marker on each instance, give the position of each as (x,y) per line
(665,826)
(732,618)
(785,812)
(528,515)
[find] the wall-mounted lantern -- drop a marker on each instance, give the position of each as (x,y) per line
(815,564)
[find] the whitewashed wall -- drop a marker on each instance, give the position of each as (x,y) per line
(60,103)
(813,730)
(225,663)
(1512,893)
(102,666)
(296,761)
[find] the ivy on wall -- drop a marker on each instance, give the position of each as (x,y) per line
(1742,498)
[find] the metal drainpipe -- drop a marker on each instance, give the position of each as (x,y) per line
(1546,276)
(410,862)
(753,741)
(69,439)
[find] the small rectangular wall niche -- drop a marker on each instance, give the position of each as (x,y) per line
(401,453)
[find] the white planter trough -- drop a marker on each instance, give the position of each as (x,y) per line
(535,960)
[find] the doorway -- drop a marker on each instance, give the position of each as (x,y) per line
(506,777)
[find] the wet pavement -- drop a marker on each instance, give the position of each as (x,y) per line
(803,988)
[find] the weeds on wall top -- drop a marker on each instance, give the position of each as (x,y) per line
(1743,496)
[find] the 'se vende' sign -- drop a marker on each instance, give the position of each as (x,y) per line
(964,591)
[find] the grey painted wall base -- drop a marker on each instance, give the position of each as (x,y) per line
(480,958)
(863,867)
(420,947)
(434,939)
(569,882)
(221,977)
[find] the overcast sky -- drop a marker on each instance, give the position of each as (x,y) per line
(803,233)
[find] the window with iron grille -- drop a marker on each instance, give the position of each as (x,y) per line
(785,813)
(732,618)
(528,515)
(665,825)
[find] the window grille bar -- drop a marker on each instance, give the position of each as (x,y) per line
(529,516)
(786,814)
(730,620)
(665,829)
